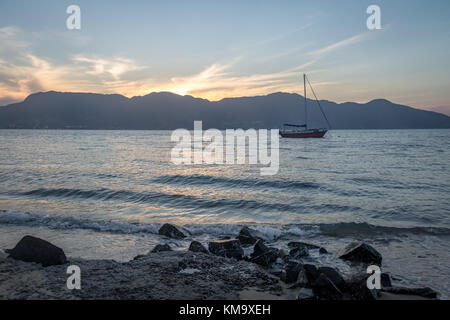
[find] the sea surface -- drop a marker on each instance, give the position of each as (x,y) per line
(104,194)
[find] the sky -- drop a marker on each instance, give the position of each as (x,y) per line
(217,49)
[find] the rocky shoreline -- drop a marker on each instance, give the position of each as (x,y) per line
(245,267)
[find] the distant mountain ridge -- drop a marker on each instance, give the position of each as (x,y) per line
(164,110)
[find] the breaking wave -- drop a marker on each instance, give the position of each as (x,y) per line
(272,232)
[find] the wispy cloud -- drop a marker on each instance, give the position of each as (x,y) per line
(9,39)
(114,67)
(23,72)
(27,72)
(340,44)
(222,80)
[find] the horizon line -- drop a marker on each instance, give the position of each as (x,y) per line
(208,100)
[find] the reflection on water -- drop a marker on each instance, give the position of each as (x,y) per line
(381,177)
(370,185)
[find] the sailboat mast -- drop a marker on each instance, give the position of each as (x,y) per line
(306,110)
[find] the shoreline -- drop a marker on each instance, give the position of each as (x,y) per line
(221,272)
(157,276)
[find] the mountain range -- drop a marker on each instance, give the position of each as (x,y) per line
(164,110)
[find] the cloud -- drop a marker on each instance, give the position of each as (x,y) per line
(26,72)
(340,44)
(279,36)
(22,72)
(29,73)
(218,81)
(115,67)
(9,39)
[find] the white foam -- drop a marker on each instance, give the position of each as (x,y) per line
(297,231)
(57,222)
(272,233)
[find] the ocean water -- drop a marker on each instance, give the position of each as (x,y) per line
(103,194)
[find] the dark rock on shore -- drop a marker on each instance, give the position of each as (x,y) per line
(263,255)
(161,248)
(334,276)
(294,273)
(325,289)
(196,246)
(31,249)
(323,250)
(226,248)
(385,280)
(360,252)
(282,254)
(422,292)
(171,231)
(326,283)
(249,236)
(357,288)
(298,252)
(311,272)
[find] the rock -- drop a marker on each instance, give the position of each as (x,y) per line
(196,246)
(334,276)
(3,255)
(311,272)
(309,246)
(161,247)
(356,288)
(360,252)
(263,255)
(182,265)
(282,254)
(422,292)
(226,248)
(139,256)
(294,273)
(249,236)
(298,252)
(276,272)
(296,244)
(323,250)
(31,249)
(325,289)
(171,231)
(385,280)
(306,294)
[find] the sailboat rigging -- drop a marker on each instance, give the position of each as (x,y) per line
(302,130)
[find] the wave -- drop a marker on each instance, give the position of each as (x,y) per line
(272,232)
(343,229)
(9,217)
(67,223)
(234,183)
(166,199)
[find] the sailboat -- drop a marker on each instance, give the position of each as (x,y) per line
(302,130)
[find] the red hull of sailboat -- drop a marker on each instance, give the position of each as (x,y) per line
(313,134)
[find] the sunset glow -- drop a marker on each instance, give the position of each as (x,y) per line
(145,54)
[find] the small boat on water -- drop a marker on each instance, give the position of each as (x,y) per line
(302,130)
